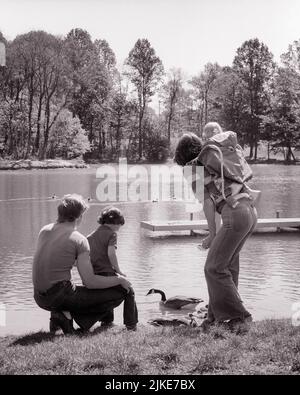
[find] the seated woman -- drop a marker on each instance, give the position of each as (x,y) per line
(60,246)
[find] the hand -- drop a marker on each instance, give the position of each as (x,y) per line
(206,243)
(125,283)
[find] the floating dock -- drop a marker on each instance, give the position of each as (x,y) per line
(280,224)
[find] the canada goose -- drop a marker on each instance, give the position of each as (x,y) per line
(176,302)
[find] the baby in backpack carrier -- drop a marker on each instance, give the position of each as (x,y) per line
(233,190)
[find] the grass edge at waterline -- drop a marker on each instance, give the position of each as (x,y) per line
(269,347)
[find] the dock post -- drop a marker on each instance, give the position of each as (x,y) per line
(277,216)
(192,233)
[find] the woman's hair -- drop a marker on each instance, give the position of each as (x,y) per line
(112,216)
(210,129)
(71,207)
(188,148)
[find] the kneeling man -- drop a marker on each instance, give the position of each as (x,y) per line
(60,247)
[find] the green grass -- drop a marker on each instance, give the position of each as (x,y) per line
(270,347)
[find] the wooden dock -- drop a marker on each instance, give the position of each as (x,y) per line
(280,224)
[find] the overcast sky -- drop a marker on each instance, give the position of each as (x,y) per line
(184,33)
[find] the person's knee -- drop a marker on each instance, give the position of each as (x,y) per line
(131,292)
(209,271)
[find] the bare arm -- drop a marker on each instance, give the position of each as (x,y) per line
(114,259)
(92,281)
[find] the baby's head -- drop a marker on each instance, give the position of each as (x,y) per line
(112,217)
(188,148)
(210,130)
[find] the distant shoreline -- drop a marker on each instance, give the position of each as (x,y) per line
(272,162)
(30,164)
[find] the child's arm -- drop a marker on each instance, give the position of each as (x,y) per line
(210,214)
(113,259)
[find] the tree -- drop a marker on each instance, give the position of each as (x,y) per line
(35,80)
(282,122)
(171,92)
(254,64)
(13,129)
(203,86)
(3,44)
(92,73)
(230,102)
(291,59)
(121,118)
(106,55)
(156,144)
(145,70)
(68,139)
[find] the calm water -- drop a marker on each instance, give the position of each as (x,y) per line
(270,263)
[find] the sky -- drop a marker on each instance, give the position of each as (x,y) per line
(185,34)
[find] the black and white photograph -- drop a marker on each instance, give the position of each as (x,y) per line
(150,190)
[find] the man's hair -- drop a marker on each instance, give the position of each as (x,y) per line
(71,207)
(112,216)
(210,129)
(188,148)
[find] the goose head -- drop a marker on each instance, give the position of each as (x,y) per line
(151,291)
(157,291)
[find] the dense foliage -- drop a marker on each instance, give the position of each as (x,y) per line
(64,97)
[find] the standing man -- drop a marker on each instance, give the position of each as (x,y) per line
(60,247)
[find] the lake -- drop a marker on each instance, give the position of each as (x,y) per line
(270,262)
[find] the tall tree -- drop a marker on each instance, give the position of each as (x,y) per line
(203,86)
(35,80)
(254,64)
(171,92)
(106,55)
(282,122)
(91,69)
(3,44)
(145,70)
(230,102)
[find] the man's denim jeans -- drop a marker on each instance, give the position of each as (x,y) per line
(87,306)
(222,263)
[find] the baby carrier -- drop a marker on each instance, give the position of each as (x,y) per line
(222,155)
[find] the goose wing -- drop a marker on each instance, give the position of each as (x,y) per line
(176,302)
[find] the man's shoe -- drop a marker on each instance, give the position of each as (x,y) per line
(59,321)
(238,324)
(131,328)
(107,324)
(207,324)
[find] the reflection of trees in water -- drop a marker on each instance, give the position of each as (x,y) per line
(269,264)
(280,186)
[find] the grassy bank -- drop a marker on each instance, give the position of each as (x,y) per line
(270,347)
(28,164)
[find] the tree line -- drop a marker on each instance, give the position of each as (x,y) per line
(64,97)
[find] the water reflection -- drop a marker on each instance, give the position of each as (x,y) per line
(270,276)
